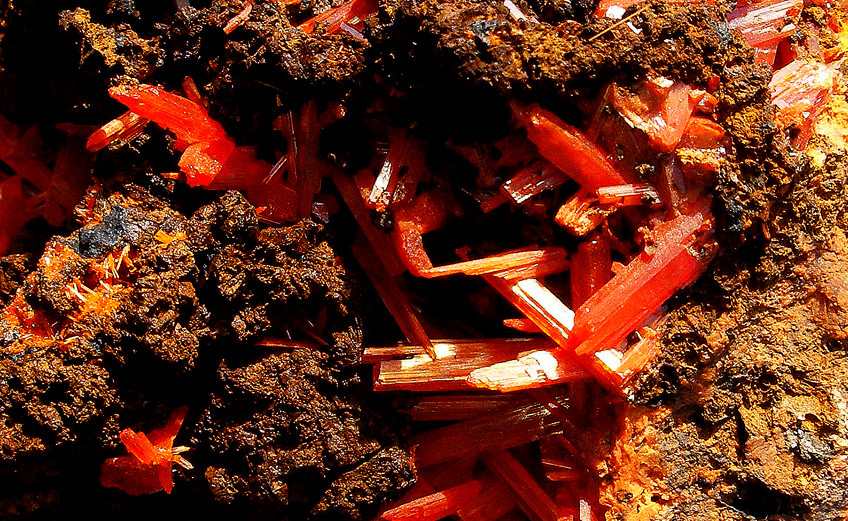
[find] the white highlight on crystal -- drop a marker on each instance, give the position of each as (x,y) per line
(616,12)
(353,32)
(382,182)
(611,358)
(761,16)
(546,302)
(663,82)
(585,511)
(442,350)
(546,362)
(514,11)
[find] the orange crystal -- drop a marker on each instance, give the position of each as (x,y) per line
(147,467)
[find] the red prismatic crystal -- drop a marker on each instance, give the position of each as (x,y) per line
(436,506)
(13,214)
(205,143)
(800,91)
(351,13)
(765,24)
(509,427)
(533,180)
(679,253)
(427,212)
(554,257)
(532,500)
(591,268)
(185,118)
(628,195)
(454,362)
(211,159)
(567,148)
(147,468)
(125,127)
(659,107)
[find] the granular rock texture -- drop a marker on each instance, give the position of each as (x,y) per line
(144,309)
(13,270)
(274,435)
(750,418)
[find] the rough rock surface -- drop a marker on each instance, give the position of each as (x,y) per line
(745,415)
(175,323)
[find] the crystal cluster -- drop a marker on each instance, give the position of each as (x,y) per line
(45,183)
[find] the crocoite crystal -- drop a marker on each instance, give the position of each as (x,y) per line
(659,107)
(800,91)
(389,186)
(350,13)
(764,24)
(567,148)
(437,505)
(679,253)
(454,362)
(533,180)
(147,467)
(12,219)
(591,268)
(125,127)
(57,189)
(204,141)
(185,118)
(211,159)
